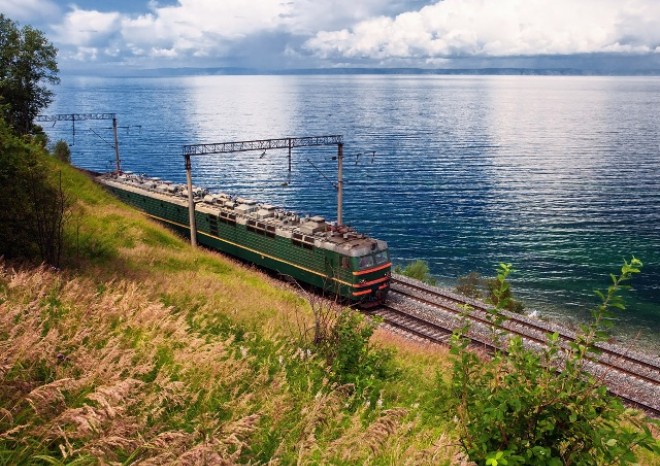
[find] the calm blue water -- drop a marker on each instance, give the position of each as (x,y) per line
(557,175)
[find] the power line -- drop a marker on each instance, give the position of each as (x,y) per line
(73,117)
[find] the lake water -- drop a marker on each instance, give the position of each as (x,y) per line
(556,175)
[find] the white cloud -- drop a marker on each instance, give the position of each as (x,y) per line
(84,54)
(205,28)
(309,16)
(84,28)
(28,10)
(168,53)
(219,32)
(453,28)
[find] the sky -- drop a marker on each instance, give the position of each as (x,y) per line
(105,36)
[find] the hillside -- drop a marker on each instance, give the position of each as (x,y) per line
(144,351)
(141,350)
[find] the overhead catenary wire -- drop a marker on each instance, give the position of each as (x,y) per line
(289,143)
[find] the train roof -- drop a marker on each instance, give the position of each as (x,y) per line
(313,230)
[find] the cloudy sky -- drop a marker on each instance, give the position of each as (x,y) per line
(104,36)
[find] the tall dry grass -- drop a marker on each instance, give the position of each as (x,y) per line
(106,372)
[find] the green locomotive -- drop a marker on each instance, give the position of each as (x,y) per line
(335,259)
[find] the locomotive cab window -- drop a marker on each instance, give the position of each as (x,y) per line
(366,261)
(381,257)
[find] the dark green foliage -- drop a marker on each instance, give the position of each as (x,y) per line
(499,291)
(419,270)
(350,356)
(62,152)
(342,338)
(33,206)
(27,64)
(491,290)
(470,285)
(517,409)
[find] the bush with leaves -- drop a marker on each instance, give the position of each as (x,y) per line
(419,270)
(470,285)
(491,290)
(540,408)
(350,355)
(342,338)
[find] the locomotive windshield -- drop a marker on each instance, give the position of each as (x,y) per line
(381,257)
(366,261)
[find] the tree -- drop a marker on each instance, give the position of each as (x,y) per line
(33,205)
(27,65)
(62,152)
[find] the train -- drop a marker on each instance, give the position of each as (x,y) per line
(335,259)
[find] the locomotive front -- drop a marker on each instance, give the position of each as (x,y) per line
(371,271)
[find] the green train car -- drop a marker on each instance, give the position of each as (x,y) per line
(335,259)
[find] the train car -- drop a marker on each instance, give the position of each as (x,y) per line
(335,259)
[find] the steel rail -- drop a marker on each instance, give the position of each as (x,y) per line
(414,325)
(625,359)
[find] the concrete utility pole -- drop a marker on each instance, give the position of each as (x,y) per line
(340,182)
(191,204)
(114,130)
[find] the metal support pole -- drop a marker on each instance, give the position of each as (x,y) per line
(191,203)
(340,182)
(114,129)
(289,157)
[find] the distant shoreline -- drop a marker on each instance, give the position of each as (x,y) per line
(189,71)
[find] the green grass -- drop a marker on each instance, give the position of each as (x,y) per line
(142,348)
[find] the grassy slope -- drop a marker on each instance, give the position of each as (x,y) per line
(145,351)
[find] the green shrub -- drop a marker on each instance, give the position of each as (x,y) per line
(62,152)
(419,270)
(517,409)
(492,290)
(342,339)
(470,285)
(350,356)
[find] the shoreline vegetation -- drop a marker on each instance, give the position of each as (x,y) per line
(141,350)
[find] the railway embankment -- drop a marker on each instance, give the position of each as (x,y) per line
(140,349)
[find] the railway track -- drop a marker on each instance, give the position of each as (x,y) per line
(432,313)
